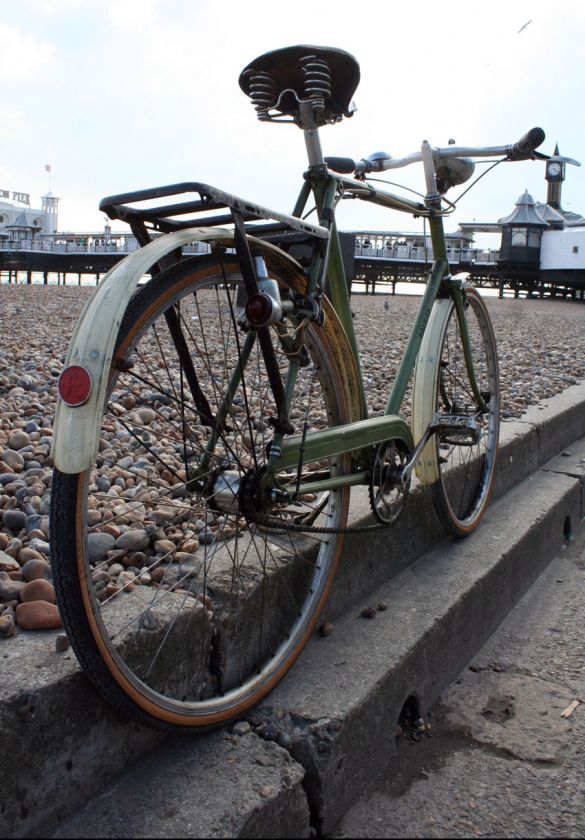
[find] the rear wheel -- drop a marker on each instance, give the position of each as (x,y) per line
(182,606)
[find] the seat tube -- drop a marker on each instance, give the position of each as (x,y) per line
(311,133)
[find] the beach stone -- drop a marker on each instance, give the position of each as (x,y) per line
(94,517)
(28,553)
(13,547)
(98,546)
(10,589)
(13,459)
(164,546)
(7,626)
(207,537)
(147,415)
(18,440)
(14,519)
(8,563)
(38,615)
(135,539)
(39,543)
(62,642)
(157,574)
(35,569)
(38,590)
(163,514)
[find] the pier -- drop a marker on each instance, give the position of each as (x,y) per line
(376,262)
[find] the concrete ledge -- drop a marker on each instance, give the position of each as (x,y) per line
(525,446)
(219,785)
(59,741)
(342,702)
(64,743)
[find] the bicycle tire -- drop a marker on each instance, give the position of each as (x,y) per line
(203,639)
(459,466)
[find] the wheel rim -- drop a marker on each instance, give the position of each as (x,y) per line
(227,607)
(466,471)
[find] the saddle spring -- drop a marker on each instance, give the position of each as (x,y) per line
(317,80)
(263,93)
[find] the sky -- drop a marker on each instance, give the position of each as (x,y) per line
(118,95)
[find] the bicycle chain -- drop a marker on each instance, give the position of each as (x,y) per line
(317,529)
(272,525)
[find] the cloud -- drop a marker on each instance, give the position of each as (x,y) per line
(21,54)
(131,14)
(9,115)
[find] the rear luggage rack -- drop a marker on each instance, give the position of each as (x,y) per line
(162,218)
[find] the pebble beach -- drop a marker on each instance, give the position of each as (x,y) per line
(541,346)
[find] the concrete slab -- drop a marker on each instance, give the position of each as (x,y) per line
(571,462)
(59,741)
(219,785)
(558,421)
(341,704)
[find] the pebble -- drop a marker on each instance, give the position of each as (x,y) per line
(10,590)
(18,440)
(62,642)
(38,590)
(7,626)
(326,629)
(13,459)
(38,615)
(98,545)
(35,569)
(14,519)
(8,563)
(135,539)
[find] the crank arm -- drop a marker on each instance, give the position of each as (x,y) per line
(408,468)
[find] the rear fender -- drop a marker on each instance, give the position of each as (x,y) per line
(76,429)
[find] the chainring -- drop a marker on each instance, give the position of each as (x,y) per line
(388,491)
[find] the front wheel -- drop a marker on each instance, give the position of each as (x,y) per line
(180,604)
(459,460)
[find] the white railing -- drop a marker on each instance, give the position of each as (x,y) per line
(125,245)
(418,253)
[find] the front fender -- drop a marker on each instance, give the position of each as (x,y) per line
(76,430)
(426,384)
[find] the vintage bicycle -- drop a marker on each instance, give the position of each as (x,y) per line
(212,417)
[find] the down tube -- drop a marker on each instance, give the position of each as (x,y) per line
(409,359)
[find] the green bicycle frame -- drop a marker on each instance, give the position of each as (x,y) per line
(327,264)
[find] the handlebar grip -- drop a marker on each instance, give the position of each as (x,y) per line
(523,149)
(345,166)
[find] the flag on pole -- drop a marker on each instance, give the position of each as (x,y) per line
(47,167)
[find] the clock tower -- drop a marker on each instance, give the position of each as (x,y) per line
(555,175)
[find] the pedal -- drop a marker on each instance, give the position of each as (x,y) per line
(457,429)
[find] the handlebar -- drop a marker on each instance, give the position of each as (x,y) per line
(523,149)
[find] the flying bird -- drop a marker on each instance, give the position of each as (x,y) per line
(523,27)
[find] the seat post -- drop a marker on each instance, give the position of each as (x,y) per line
(311,133)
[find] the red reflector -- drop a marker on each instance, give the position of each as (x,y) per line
(74,385)
(259,309)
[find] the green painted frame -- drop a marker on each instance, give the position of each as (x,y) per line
(361,436)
